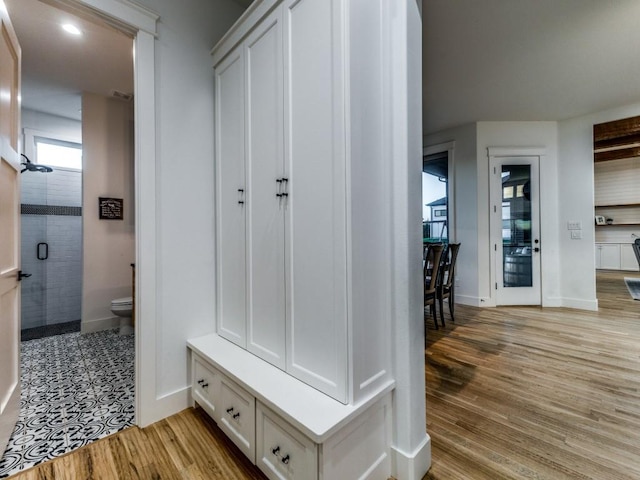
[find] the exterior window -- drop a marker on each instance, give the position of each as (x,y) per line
(59,154)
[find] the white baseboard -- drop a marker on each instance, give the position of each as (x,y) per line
(581,304)
(412,466)
(552,302)
(156,409)
(99,324)
(474,301)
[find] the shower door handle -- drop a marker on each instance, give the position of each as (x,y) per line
(22,275)
(39,250)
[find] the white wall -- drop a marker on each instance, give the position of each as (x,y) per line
(108,245)
(522,134)
(576,202)
(471,202)
(187,30)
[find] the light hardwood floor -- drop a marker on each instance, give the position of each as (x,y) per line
(531,393)
(185,446)
(512,393)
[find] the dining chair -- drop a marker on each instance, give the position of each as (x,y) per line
(446,280)
(431,269)
(636,249)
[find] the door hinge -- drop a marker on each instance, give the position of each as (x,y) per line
(496,285)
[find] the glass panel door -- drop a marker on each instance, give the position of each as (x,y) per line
(517,244)
(515,238)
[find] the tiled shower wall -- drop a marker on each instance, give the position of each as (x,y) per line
(53,294)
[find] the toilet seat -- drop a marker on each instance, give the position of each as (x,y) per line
(122,302)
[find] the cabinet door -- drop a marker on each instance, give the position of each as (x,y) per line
(610,256)
(315,160)
(230,186)
(265,210)
(628,260)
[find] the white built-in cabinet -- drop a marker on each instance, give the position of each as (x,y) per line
(304,227)
(288,190)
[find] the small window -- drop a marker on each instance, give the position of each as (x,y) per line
(55,153)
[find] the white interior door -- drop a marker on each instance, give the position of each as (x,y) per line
(9,229)
(515,229)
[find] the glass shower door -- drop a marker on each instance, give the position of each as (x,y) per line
(51,248)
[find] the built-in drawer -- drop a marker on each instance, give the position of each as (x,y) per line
(236,416)
(282,452)
(206,380)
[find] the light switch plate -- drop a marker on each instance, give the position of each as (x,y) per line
(574,225)
(576,234)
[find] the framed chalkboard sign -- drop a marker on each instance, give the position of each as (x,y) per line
(110,208)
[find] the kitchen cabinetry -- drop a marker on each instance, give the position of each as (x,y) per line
(616,256)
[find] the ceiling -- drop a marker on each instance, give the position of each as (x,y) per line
(482,60)
(520,60)
(57,67)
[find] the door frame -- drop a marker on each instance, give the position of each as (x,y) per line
(497,156)
(141,23)
(448,147)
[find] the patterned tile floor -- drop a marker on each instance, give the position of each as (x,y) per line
(75,389)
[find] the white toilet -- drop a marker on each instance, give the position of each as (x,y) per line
(123,308)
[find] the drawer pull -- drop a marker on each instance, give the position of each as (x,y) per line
(236,415)
(205,385)
(285,459)
(229,410)
(275,450)
(201,381)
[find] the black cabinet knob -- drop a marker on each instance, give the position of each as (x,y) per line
(285,459)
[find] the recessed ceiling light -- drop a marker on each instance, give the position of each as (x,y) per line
(72,29)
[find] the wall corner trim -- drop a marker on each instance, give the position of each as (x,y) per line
(165,406)
(414,465)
